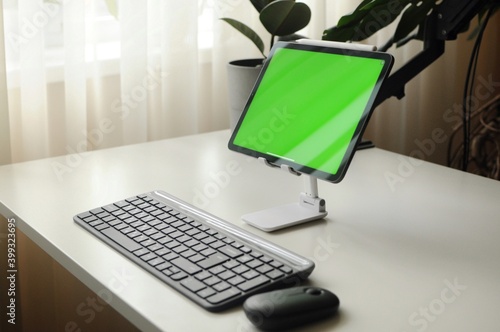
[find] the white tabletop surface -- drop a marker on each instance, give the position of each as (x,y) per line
(407,245)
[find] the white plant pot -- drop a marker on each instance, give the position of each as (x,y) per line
(242,75)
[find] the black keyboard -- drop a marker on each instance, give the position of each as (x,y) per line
(210,261)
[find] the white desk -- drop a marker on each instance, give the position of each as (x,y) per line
(391,254)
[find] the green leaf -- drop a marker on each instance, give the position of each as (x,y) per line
(412,17)
(352,19)
(370,17)
(260,4)
(247,32)
(284,17)
(112,7)
(338,34)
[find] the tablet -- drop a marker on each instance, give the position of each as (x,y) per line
(310,106)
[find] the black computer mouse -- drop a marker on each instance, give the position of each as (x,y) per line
(292,307)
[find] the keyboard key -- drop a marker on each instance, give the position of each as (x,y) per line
(95,222)
(157,236)
(148,242)
(143,228)
(208,252)
(266,259)
(155,246)
(231,264)
(199,247)
(151,231)
(203,275)
(141,238)
(212,281)
(121,226)
(217,244)
(133,234)
(244,259)
(121,239)
(156,261)
(127,230)
(90,218)
(250,274)
(101,227)
(275,274)
(226,275)
(236,280)
(208,240)
(188,253)
(241,269)
(196,258)
(170,256)
(180,248)
(121,204)
(162,251)
(221,286)
(186,265)
(172,244)
(114,222)
(191,243)
(200,236)
(223,296)
(85,215)
(178,276)
(264,268)
(193,285)
(110,208)
(148,257)
(163,266)
(230,251)
(251,284)
(141,252)
(213,260)
(254,264)
(218,269)
(184,238)
(206,292)
(245,249)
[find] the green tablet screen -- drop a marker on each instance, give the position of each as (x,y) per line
(309,107)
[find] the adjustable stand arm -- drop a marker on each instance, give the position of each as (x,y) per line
(310,207)
(449,19)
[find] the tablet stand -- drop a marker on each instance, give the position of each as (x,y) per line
(310,206)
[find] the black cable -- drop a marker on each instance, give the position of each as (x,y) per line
(469,90)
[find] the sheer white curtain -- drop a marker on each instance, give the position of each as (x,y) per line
(74,78)
(85,75)
(5,153)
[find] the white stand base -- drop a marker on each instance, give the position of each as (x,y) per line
(310,206)
(282,216)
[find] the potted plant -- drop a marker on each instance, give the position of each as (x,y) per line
(373,15)
(430,21)
(282,19)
